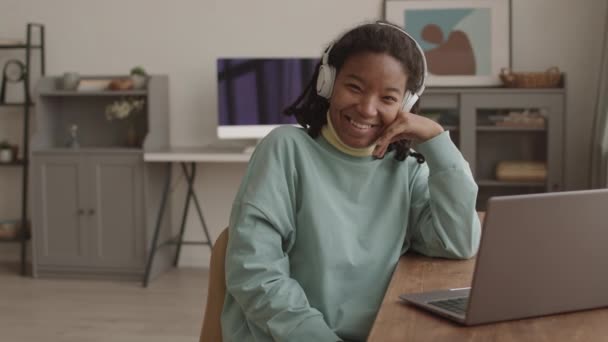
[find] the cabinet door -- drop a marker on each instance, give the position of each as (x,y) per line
(58,221)
(114,210)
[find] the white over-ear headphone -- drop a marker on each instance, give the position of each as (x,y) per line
(327,75)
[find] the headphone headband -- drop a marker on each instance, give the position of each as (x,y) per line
(327,73)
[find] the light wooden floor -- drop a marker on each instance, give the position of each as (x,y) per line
(68,310)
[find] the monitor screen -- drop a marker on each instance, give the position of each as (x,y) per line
(253,92)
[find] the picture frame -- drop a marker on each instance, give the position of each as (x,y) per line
(466,42)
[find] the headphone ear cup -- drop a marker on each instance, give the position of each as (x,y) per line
(409,101)
(325,80)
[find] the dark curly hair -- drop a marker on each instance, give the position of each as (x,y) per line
(310,109)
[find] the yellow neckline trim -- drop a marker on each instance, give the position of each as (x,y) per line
(329,133)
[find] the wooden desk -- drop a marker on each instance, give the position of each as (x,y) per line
(397,321)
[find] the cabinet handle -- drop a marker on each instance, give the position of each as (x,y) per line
(80,212)
(91,212)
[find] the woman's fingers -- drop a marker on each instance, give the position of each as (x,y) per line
(397,130)
(407,126)
(402,136)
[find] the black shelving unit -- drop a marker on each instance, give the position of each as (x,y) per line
(29,47)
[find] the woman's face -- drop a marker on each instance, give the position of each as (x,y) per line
(367,96)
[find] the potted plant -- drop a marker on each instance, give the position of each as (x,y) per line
(6,152)
(125,109)
(139,76)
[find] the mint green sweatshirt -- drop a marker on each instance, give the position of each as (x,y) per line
(315,234)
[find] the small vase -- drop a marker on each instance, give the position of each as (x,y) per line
(72,141)
(139,81)
(132,136)
(70,80)
(6,155)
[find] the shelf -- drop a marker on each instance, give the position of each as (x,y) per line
(490,182)
(14,104)
(491,90)
(14,239)
(109,93)
(125,150)
(19,46)
(13,163)
(17,238)
(510,129)
(23,106)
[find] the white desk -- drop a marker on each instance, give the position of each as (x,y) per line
(187,157)
(211,153)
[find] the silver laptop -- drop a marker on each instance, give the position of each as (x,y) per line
(540,254)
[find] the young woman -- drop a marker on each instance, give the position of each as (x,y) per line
(325,211)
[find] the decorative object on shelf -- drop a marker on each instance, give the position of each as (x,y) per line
(93,84)
(11,41)
(9,229)
(15,148)
(6,152)
(70,80)
(466,42)
(551,78)
(521,171)
(14,72)
(522,119)
(121,84)
(139,76)
(72,141)
(125,109)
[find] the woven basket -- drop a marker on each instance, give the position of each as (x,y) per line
(549,79)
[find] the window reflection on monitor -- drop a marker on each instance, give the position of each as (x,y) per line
(253,92)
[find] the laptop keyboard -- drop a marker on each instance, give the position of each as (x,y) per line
(456,305)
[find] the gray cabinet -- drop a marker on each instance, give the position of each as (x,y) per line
(90,209)
(94,207)
(468,114)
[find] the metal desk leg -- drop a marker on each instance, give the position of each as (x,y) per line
(190,177)
(189,180)
(161,211)
(200,215)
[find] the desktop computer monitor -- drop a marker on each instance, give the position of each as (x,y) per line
(253,92)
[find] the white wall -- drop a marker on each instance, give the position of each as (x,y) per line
(567,34)
(183,38)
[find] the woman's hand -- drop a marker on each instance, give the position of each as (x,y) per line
(413,127)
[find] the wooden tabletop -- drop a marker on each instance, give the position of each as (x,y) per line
(397,321)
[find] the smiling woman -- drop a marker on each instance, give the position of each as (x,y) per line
(321,218)
(382,78)
(364,100)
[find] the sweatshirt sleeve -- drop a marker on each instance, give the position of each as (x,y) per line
(262,230)
(443,221)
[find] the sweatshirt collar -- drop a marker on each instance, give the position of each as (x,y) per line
(329,133)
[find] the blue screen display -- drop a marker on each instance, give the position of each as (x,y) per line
(255,91)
